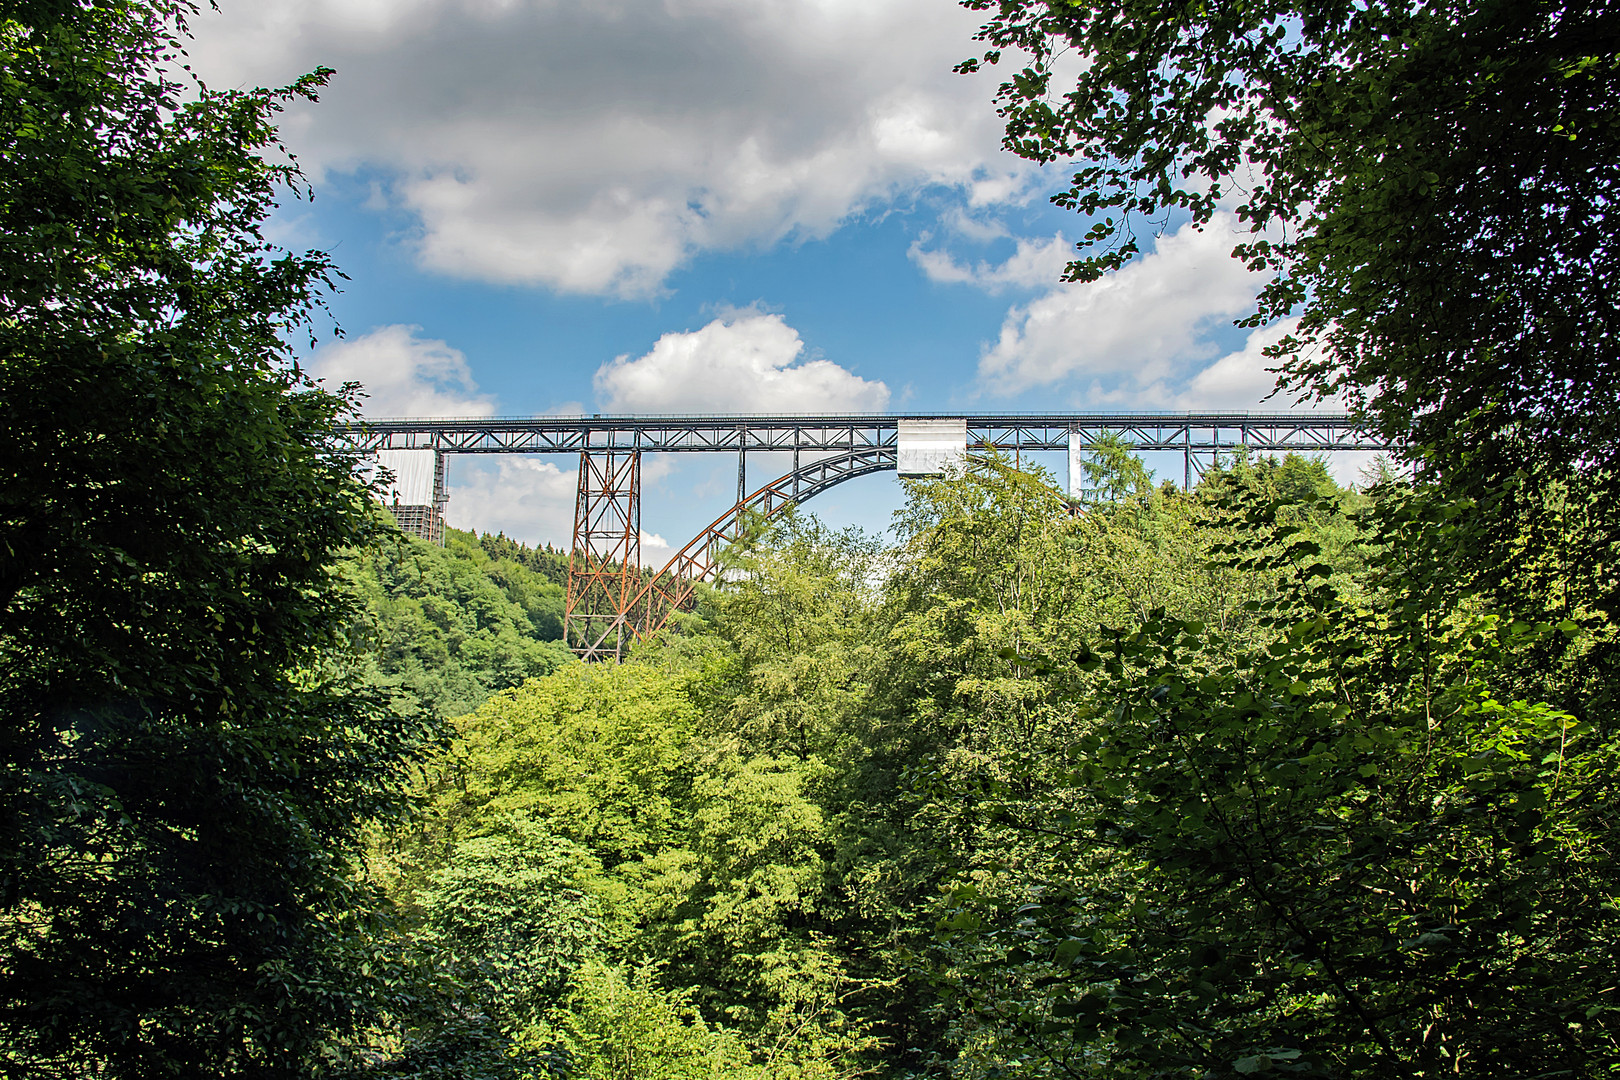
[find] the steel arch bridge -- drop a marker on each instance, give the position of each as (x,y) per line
(611,600)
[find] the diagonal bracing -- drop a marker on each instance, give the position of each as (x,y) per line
(604,563)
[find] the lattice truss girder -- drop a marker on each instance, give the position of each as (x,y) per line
(835,434)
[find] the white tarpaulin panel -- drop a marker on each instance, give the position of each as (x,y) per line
(929,447)
(413,476)
(1079,454)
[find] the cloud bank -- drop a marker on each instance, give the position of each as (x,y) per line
(594,148)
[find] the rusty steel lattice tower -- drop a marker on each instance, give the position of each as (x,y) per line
(604,567)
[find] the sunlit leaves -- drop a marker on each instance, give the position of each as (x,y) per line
(1275,852)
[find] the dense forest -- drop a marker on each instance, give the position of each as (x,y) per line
(448,626)
(1271,775)
(1029,792)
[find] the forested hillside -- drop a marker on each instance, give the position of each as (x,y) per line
(451,625)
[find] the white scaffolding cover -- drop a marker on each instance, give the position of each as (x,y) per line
(930,447)
(1079,454)
(413,476)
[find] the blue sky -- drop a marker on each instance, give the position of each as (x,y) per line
(703,205)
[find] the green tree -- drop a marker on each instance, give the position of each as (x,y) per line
(623,1026)
(1347,847)
(799,619)
(1431,185)
(599,754)
(1114,474)
(185,756)
(512,915)
(492,942)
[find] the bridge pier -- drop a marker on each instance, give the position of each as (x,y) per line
(604,563)
(643,611)
(424,518)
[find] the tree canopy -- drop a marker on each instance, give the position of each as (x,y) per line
(1432,186)
(188,753)
(1269,775)
(454,624)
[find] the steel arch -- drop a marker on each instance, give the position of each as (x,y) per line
(674,584)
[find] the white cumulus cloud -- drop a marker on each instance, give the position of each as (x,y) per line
(403,375)
(1033,264)
(655,550)
(1129,330)
(595,147)
(746,362)
(1241,379)
(528,498)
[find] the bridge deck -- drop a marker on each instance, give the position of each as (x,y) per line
(1185,432)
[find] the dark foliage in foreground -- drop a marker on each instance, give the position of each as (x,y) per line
(187,756)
